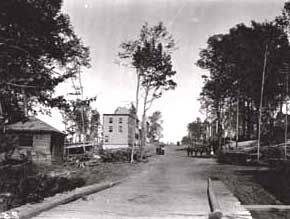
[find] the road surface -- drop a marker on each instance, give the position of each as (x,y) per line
(171,186)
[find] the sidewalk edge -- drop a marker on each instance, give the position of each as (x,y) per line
(31,210)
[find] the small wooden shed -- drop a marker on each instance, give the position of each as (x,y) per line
(44,142)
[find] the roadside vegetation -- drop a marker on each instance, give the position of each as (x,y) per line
(30,183)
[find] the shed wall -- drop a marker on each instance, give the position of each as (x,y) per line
(41,148)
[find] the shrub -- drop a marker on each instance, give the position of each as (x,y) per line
(232,158)
(27,184)
(8,143)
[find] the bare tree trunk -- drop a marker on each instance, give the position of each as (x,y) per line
(143,134)
(219,125)
(135,119)
(2,122)
(261,102)
(286,118)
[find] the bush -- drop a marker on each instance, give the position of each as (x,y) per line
(8,143)
(115,155)
(232,158)
(27,185)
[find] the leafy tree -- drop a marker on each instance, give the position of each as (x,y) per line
(95,122)
(38,50)
(196,130)
(185,140)
(156,68)
(150,54)
(155,127)
(81,119)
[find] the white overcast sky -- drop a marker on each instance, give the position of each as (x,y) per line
(104,24)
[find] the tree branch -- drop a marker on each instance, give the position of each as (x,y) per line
(20,85)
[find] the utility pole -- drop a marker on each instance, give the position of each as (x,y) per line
(237,109)
(261,101)
(2,120)
(237,122)
(82,98)
(286,115)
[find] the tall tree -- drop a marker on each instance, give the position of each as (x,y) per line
(38,50)
(150,54)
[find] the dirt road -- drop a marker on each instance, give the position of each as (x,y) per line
(171,186)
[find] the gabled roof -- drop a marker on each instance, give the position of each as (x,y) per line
(32,124)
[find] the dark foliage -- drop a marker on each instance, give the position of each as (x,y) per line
(115,155)
(269,179)
(27,185)
(235,61)
(8,143)
(36,38)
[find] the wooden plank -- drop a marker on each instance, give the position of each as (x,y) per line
(267,207)
(229,204)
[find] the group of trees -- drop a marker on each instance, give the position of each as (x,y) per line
(39,50)
(248,75)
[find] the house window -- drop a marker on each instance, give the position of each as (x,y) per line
(110,128)
(25,140)
(120,120)
(106,139)
(111,120)
(120,128)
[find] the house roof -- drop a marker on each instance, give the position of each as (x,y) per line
(119,114)
(122,110)
(32,124)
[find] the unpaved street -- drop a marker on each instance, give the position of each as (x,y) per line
(171,186)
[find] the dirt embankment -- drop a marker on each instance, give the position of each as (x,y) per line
(256,186)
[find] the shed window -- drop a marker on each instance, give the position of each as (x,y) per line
(25,140)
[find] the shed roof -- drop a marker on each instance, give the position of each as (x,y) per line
(32,124)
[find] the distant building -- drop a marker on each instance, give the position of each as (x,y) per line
(43,142)
(120,130)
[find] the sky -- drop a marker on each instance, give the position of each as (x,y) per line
(104,24)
